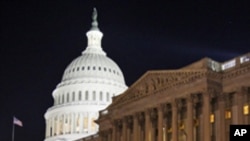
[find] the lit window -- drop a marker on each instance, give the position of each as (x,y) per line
(170,130)
(212,118)
(246,110)
(181,126)
(196,122)
(93,126)
(228,114)
(85,124)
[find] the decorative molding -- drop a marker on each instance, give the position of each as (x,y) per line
(243,69)
(154,81)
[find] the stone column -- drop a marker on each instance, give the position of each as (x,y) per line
(124,129)
(165,131)
(240,104)
(160,122)
(206,116)
(114,130)
(109,134)
(135,128)
(128,131)
(101,136)
(221,122)
(53,126)
(147,125)
(174,120)
(140,126)
(190,120)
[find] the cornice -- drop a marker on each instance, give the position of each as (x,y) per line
(237,71)
(154,82)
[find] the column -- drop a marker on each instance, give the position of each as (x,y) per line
(89,127)
(147,125)
(206,117)
(174,121)
(72,123)
(114,131)
(165,131)
(128,132)
(81,123)
(160,122)
(240,105)
(190,120)
(64,125)
(221,123)
(124,129)
(53,126)
(109,134)
(135,128)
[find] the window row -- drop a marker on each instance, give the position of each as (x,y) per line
(92,68)
(80,96)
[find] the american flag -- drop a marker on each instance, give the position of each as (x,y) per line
(17,122)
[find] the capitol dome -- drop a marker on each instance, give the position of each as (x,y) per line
(88,84)
(93,65)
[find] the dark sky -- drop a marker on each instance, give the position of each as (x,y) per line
(39,39)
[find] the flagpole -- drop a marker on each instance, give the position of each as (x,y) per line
(13,131)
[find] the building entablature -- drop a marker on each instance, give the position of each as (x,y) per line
(153,82)
(166,108)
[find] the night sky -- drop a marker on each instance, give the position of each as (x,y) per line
(39,40)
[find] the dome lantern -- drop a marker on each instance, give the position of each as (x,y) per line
(94,36)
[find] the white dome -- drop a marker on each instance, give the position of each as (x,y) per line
(93,65)
(88,84)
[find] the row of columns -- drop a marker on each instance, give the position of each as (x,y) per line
(145,128)
(147,123)
(70,123)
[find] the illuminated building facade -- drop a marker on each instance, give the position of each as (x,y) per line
(88,85)
(195,103)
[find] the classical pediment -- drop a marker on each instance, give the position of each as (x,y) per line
(153,81)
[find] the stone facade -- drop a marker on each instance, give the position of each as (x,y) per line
(194,103)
